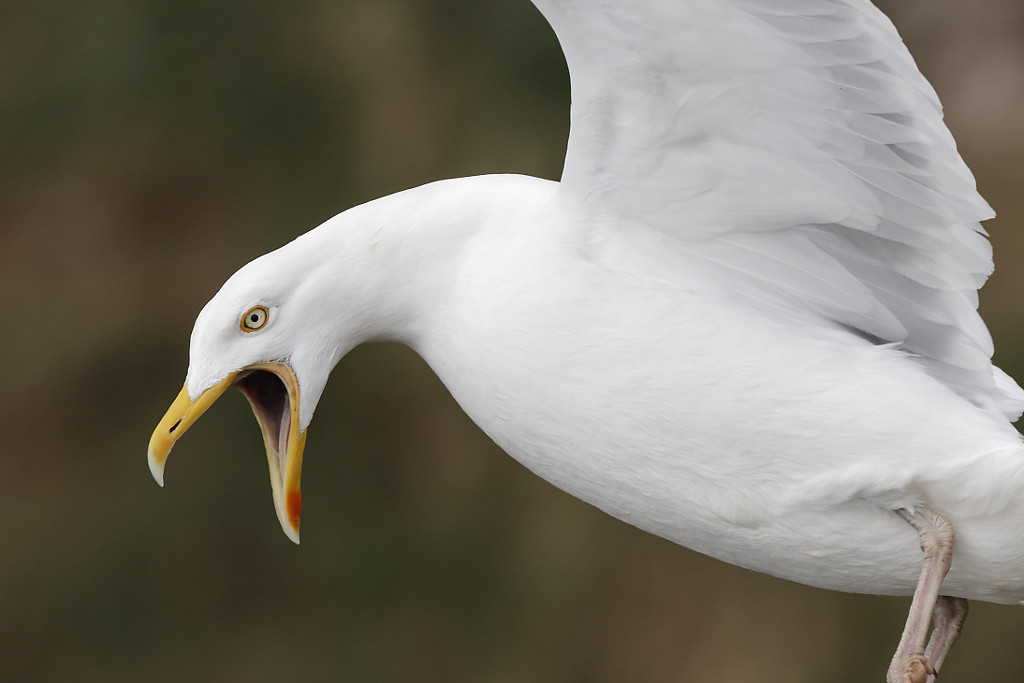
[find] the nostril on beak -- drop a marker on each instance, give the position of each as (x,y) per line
(174,426)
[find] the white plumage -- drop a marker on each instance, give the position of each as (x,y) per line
(744,320)
(792,152)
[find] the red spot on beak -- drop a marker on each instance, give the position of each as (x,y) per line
(293,505)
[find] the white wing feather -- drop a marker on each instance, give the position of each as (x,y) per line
(791,152)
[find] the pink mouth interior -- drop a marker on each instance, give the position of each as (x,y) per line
(268,397)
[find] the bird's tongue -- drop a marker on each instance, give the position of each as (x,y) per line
(283,427)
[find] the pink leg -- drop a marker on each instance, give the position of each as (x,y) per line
(950,614)
(910,664)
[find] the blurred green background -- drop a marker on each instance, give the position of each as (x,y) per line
(148,148)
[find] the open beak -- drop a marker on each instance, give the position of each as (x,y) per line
(273,392)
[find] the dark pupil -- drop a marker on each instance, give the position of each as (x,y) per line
(254,318)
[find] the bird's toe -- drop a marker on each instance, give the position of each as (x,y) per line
(911,669)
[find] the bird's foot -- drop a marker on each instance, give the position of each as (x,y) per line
(911,669)
(913,661)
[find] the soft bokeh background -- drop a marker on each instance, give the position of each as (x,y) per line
(148,148)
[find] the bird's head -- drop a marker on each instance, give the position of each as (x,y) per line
(270,333)
(276,329)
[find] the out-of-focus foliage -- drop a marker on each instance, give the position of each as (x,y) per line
(147,149)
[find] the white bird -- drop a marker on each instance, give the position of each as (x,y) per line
(744,320)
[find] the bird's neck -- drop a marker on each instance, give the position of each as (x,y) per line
(387,267)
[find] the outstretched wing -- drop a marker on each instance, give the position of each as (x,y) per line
(791,151)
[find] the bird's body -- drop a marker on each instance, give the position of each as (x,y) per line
(731,432)
(745,318)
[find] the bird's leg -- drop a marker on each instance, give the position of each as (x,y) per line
(949,619)
(910,664)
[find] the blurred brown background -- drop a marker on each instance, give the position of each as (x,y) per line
(148,148)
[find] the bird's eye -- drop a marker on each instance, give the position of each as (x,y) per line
(254,319)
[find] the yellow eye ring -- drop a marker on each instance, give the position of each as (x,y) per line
(254,319)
